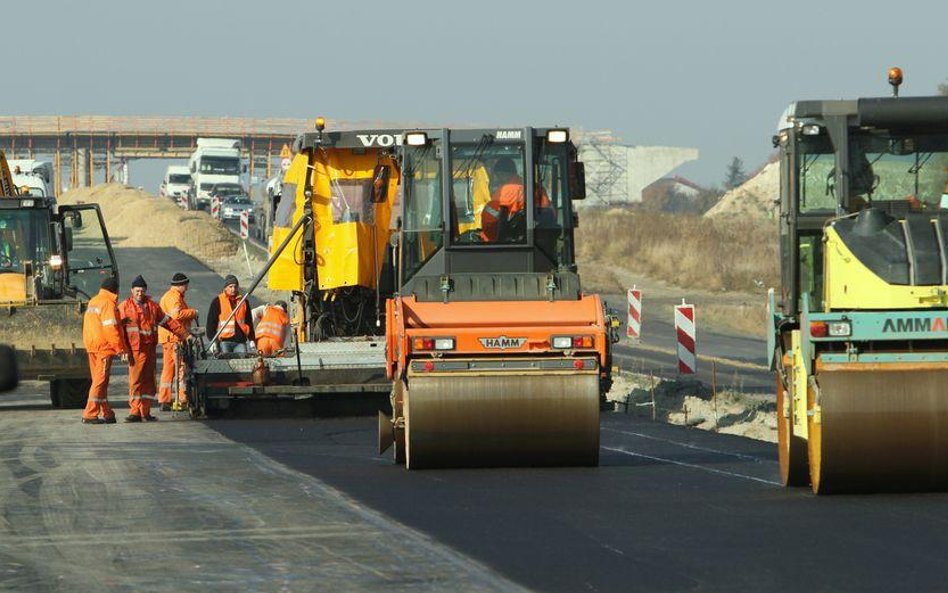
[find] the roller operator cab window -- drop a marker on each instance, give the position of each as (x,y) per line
(422,216)
(179,179)
(488,198)
(899,172)
(552,214)
(896,171)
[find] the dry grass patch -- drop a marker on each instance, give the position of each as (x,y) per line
(684,250)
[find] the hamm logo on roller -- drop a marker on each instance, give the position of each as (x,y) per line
(914,324)
(502,342)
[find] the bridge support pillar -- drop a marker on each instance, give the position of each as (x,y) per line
(57,172)
(83,167)
(74,170)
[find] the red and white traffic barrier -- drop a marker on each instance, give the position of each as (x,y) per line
(633,327)
(216,208)
(685,328)
(244,225)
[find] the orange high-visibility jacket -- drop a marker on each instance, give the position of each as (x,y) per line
(273,325)
(240,318)
(142,322)
(510,195)
(102,331)
(174,305)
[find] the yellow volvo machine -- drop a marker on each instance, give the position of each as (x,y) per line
(859,340)
(51,260)
(330,251)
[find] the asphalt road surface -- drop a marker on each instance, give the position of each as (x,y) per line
(305,505)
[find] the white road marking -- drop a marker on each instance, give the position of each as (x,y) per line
(690,446)
(711,470)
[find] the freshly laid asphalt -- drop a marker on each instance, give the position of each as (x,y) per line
(669,509)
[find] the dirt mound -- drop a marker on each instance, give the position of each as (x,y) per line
(135,218)
(756,197)
(690,403)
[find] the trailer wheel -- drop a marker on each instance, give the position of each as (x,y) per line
(69,394)
(8,372)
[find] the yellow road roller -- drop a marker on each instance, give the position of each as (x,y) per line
(858,332)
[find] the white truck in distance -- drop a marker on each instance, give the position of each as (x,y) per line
(216,160)
(175,184)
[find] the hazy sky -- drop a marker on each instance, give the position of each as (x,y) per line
(713,75)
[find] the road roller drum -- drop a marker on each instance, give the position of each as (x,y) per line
(502,420)
(878,430)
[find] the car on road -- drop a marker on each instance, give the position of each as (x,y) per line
(233,205)
(222,190)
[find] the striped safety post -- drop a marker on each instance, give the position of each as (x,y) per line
(685,328)
(633,326)
(244,225)
(216,208)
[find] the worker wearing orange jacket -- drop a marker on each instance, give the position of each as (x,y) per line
(103,337)
(143,317)
(509,195)
(173,304)
(271,330)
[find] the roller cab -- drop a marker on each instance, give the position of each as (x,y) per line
(496,356)
(859,330)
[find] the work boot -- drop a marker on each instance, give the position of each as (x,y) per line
(133,418)
(109,420)
(150,418)
(165,407)
(93,421)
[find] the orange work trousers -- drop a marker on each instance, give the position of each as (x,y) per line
(100,367)
(266,346)
(166,385)
(141,381)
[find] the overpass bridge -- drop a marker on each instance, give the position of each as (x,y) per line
(83,144)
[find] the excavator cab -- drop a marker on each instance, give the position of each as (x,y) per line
(858,338)
(51,261)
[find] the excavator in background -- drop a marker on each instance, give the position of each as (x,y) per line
(460,315)
(51,259)
(859,334)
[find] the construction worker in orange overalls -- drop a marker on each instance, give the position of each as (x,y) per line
(271,330)
(173,304)
(509,194)
(103,337)
(143,317)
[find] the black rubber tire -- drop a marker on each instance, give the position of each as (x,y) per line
(8,373)
(69,394)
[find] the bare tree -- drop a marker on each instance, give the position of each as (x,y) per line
(943,88)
